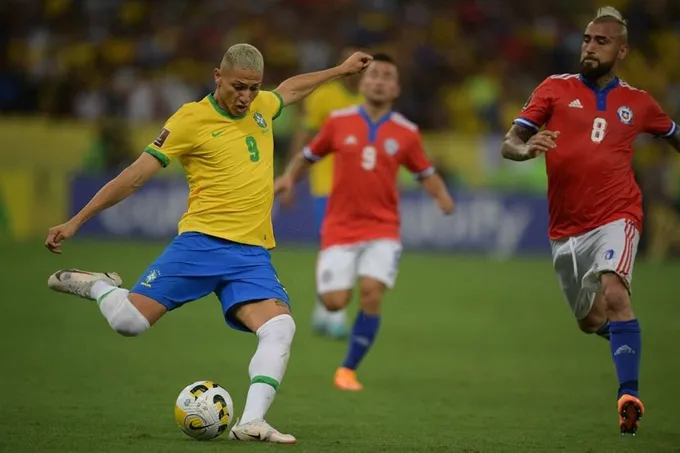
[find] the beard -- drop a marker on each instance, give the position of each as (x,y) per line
(594,69)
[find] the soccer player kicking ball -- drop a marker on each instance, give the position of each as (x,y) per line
(225,144)
(591,120)
(360,232)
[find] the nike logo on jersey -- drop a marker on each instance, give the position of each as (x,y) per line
(217,133)
(576,103)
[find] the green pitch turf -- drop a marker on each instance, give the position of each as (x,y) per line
(473,356)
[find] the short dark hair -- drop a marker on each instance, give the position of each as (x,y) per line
(384,58)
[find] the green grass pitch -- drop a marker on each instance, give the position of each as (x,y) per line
(474,355)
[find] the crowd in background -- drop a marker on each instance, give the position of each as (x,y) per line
(467,65)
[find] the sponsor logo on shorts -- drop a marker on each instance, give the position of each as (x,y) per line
(609,254)
(327,276)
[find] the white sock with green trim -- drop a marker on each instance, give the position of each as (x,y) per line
(268,365)
(123,317)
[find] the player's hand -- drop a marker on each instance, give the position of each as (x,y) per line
(541,143)
(446,205)
(57,234)
(284,188)
(357,62)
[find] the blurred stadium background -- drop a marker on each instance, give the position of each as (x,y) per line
(474,335)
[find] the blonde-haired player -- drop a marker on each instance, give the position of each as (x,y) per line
(339,94)
(225,144)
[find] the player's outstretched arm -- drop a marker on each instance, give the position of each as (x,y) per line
(435,187)
(298,87)
(522,143)
(115,191)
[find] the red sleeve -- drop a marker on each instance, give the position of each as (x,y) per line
(538,107)
(657,122)
(416,160)
(322,144)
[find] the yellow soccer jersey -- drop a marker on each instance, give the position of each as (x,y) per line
(325,99)
(229,165)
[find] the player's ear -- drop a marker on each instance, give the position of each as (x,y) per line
(623,51)
(217,75)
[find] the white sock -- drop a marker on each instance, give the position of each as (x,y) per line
(123,317)
(268,365)
(99,288)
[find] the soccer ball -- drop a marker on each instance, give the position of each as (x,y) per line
(203,410)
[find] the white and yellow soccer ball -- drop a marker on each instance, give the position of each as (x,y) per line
(204,410)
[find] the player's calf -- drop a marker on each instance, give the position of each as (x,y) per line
(370,295)
(114,302)
(364,332)
(275,328)
(596,322)
(616,297)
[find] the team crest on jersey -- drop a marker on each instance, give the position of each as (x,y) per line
(391,146)
(625,114)
(151,277)
(259,119)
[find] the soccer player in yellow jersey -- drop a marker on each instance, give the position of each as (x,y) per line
(225,144)
(335,95)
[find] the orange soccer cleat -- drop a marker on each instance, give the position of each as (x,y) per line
(631,411)
(346,379)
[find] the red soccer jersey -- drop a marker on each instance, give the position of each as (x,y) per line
(590,175)
(364,202)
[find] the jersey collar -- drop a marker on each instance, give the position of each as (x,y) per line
(222,111)
(610,86)
(373,127)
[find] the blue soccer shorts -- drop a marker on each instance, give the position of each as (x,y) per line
(319,204)
(195,265)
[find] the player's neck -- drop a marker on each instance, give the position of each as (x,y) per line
(377,111)
(222,105)
(604,80)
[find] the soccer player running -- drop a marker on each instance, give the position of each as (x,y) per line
(591,120)
(225,144)
(332,96)
(360,232)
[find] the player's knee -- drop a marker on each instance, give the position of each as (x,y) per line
(279,330)
(591,324)
(336,300)
(123,317)
(615,294)
(370,295)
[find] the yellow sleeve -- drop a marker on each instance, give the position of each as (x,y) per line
(176,137)
(272,102)
(315,110)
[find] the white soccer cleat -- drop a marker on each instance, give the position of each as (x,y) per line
(79,283)
(259,431)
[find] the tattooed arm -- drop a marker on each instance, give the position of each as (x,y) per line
(523,143)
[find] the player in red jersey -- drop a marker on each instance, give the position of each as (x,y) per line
(591,120)
(360,231)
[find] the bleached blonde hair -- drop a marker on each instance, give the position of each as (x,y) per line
(243,56)
(611,13)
